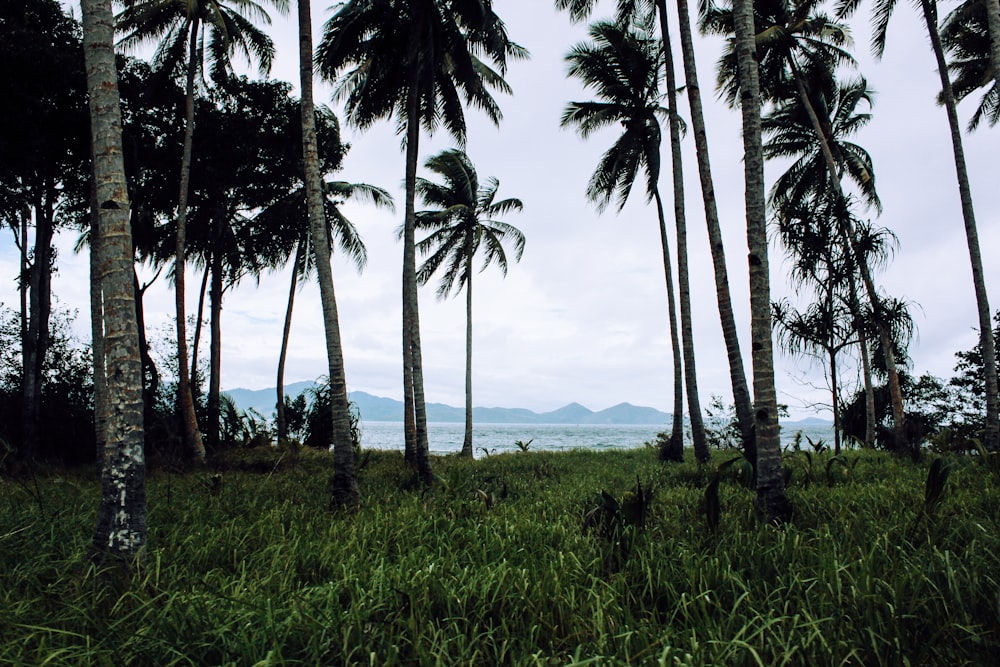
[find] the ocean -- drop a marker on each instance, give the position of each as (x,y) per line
(446,438)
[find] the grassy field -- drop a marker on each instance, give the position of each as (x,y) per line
(493,566)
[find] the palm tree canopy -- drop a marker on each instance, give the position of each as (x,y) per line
(231,26)
(463,220)
(621,66)
(790,35)
(376,51)
(965,35)
(790,134)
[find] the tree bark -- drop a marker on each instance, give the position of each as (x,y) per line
(674,449)
(991,438)
(35,344)
(215,351)
(97,330)
(344,487)
(467,441)
(698,439)
(286,333)
(185,401)
(121,517)
(772,503)
(737,373)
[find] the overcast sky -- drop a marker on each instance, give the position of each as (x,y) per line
(583,317)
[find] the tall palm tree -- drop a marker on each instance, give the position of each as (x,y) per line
(772,502)
(580,10)
(178,25)
(799,49)
(882,12)
(464,221)
(414,61)
(121,515)
(621,65)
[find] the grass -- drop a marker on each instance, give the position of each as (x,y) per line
(492,566)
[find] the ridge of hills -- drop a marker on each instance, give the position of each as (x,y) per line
(378,408)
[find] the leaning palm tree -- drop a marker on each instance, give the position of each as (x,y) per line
(284,218)
(882,12)
(464,221)
(415,61)
(621,66)
(580,10)
(179,25)
(121,515)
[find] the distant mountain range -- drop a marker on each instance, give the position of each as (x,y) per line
(379,409)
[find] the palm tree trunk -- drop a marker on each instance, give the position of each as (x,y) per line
(835,397)
(698,439)
(199,318)
(866,367)
(283,355)
(737,374)
(35,345)
(185,400)
(215,352)
(344,487)
(987,344)
(849,239)
(97,330)
(771,501)
(121,517)
(993,25)
(150,390)
(467,442)
(674,449)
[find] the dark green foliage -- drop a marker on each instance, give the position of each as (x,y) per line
(319,424)
(261,571)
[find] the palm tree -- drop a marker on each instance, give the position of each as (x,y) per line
(121,515)
(463,222)
(882,12)
(772,502)
(283,218)
(621,65)
(800,49)
(177,23)
(966,37)
(581,9)
(411,60)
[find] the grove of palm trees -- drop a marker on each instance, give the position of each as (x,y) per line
(553,165)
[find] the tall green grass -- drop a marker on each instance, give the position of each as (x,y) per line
(492,566)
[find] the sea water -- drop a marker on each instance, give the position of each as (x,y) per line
(446,438)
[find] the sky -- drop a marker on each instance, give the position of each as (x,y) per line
(583,316)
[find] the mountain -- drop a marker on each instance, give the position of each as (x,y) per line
(378,408)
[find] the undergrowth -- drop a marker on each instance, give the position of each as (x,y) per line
(492,565)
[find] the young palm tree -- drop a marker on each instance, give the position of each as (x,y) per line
(414,61)
(580,10)
(284,218)
(463,222)
(178,25)
(882,12)
(121,515)
(621,65)
(772,502)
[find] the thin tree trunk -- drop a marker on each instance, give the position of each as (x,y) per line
(344,487)
(198,320)
(149,369)
(467,442)
(411,313)
(987,344)
(737,373)
(215,352)
(286,333)
(674,450)
(866,367)
(121,517)
(698,439)
(771,501)
(35,343)
(835,392)
(185,401)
